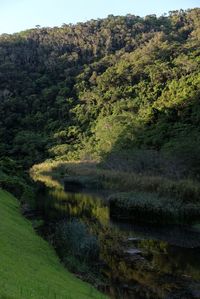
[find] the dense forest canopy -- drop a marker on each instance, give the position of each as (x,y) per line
(125,86)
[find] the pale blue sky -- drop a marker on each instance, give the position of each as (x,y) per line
(17,15)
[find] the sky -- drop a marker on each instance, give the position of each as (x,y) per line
(18,15)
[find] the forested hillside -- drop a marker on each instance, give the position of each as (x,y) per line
(115,88)
(100,143)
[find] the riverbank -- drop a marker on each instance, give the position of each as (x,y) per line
(136,260)
(29,266)
(176,200)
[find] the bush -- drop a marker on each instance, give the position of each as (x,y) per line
(15,181)
(73,239)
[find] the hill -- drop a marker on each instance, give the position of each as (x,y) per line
(116,87)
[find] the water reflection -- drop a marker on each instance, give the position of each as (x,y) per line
(139,261)
(73,205)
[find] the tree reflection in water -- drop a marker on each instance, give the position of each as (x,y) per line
(163,269)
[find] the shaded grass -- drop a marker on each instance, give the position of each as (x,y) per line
(29,268)
(150,207)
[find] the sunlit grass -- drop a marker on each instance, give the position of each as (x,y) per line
(185,190)
(29,268)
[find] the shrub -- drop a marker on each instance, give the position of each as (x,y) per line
(73,239)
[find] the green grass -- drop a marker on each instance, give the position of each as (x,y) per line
(150,207)
(29,267)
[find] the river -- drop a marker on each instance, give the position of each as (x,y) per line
(137,260)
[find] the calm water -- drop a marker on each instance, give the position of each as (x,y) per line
(140,261)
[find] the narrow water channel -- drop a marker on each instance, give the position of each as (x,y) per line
(139,261)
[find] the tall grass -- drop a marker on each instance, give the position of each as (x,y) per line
(150,207)
(184,189)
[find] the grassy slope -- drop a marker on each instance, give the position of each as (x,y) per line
(29,268)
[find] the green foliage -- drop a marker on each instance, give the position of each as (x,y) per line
(82,91)
(13,179)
